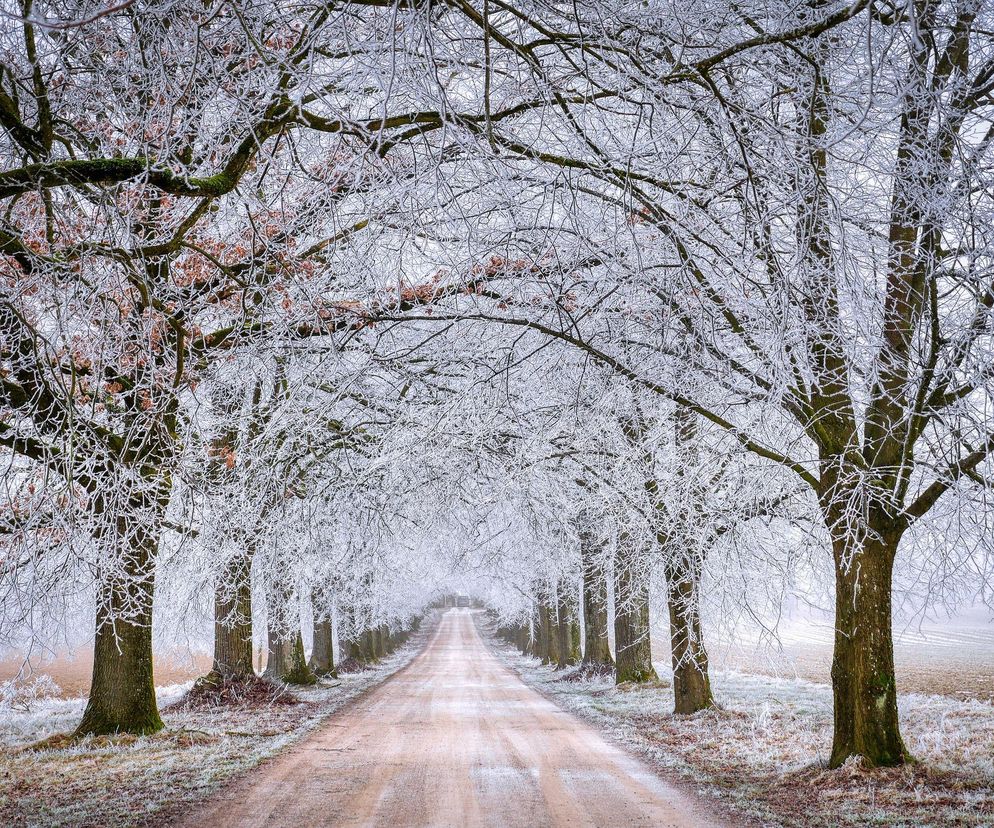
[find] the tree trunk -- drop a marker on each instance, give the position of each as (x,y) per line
(122,690)
(348,640)
(691,681)
(355,649)
(863,679)
(278,661)
(524,638)
(597,650)
(233,621)
(535,633)
(633,652)
(323,653)
(684,568)
(568,631)
(298,672)
(547,644)
(369,645)
(287,662)
(575,652)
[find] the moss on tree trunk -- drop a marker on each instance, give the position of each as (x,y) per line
(298,672)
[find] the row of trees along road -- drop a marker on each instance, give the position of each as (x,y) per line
(259,261)
(791,207)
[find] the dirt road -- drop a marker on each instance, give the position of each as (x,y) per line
(454,739)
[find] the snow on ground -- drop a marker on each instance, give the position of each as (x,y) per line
(131,781)
(763,754)
(25,720)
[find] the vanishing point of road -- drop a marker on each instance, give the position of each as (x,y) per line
(453,739)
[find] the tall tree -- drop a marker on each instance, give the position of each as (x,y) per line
(833,326)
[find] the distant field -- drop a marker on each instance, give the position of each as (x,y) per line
(72,673)
(954,658)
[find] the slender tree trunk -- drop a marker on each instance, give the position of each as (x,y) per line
(633,651)
(122,690)
(864,685)
(597,649)
(287,662)
(544,630)
(233,621)
(568,630)
(691,680)
(535,632)
(323,653)
(552,614)
(278,660)
(684,569)
(523,639)
(369,645)
(355,649)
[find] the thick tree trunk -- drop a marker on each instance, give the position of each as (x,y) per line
(323,652)
(863,678)
(596,648)
(633,652)
(122,690)
(233,621)
(691,681)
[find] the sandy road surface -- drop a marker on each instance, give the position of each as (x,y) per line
(453,739)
